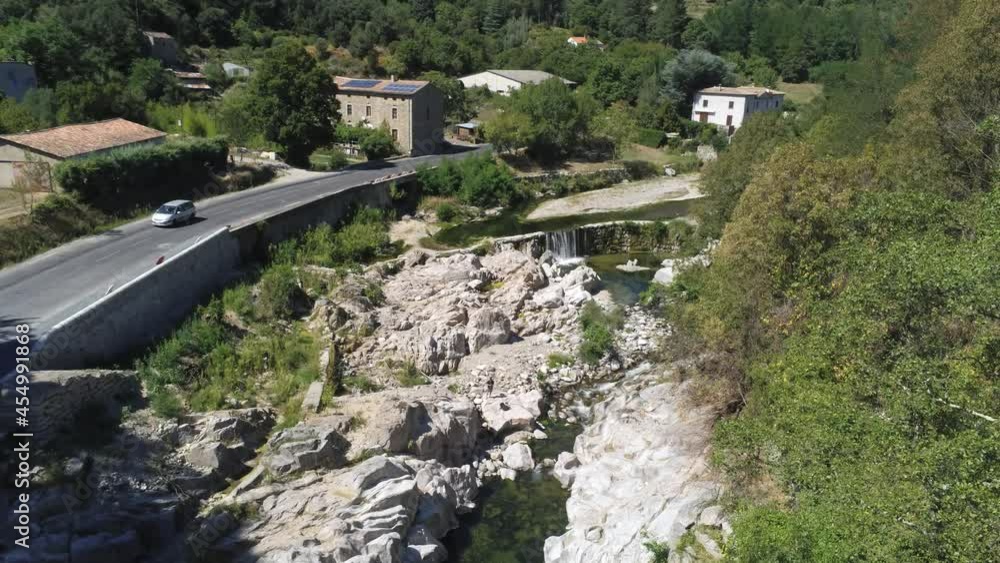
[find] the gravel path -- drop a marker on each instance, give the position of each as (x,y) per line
(622,196)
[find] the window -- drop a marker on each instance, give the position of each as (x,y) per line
(704,103)
(394,113)
(368,111)
(731,104)
(349,110)
(395,134)
(729,119)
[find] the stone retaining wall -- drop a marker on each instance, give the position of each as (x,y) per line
(613,237)
(57,397)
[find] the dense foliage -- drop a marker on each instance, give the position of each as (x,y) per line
(479,181)
(851,308)
(146,175)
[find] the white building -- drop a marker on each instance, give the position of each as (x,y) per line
(506,81)
(730,107)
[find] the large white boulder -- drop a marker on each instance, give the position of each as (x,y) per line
(518,457)
(515,412)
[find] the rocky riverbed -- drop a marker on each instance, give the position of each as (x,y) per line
(467,358)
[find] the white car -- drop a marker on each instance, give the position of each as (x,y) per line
(174,213)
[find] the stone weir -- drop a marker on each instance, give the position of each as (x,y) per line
(612,237)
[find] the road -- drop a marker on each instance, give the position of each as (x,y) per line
(49,288)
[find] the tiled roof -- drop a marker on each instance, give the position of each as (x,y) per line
(157,34)
(740,91)
(379,86)
(75,140)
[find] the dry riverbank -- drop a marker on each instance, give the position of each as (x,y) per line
(621,197)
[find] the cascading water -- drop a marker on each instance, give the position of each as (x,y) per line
(564,244)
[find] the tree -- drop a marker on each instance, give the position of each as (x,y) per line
(618,125)
(559,116)
(509,131)
(15,117)
(235,117)
(608,84)
(691,71)
(378,144)
(670,22)
(294,101)
(456,107)
(215,26)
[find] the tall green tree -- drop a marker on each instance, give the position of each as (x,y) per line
(294,101)
(670,21)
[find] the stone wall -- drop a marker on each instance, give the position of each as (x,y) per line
(57,397)
(149,307)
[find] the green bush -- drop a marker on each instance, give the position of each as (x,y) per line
(640,169)
(653,138)
(446,211)
(54,221)
(478,181)
(279,290)
(363,238)
(599,327)
(145,176)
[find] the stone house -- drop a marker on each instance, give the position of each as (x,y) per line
(47,147)
(504,82)
(729,107)
(16,79)
(161,46)
(412,110)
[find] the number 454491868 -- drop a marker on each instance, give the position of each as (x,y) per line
(23,372)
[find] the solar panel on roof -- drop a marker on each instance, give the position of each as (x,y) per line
(361,83)
(401,88)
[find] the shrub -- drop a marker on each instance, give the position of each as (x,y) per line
(144,176)
(378,144)
(639,169)
(278,291)
(446,212)
(599,328)
(557,360)
(650,137)
(409,376)
(479,181)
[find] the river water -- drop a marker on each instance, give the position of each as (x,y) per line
(512,519)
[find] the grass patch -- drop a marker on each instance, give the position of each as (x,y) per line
(360,384)
(409,376)
(558,360)
(802,93)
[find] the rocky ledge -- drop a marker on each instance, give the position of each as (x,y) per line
(639,473)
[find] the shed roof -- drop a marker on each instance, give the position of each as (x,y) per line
(379,86)
(529,76)
(740,91)
(76,140)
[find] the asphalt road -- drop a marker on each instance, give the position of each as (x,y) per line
(49,288)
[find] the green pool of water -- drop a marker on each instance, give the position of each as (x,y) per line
(625,287)
(512,222)
(513,518)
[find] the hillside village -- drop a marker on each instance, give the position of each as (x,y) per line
(483,281)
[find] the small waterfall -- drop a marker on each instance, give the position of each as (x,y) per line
(562,244)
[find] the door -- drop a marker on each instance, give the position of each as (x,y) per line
(703,117)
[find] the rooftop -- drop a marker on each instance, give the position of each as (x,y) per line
(157,34)
(529,76)
(740,91)
(75,140)
(379,86)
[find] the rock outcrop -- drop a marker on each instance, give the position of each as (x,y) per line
(643,473)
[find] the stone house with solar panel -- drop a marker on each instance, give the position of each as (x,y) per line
(412,110)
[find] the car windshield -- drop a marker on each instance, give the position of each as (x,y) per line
(168,209)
